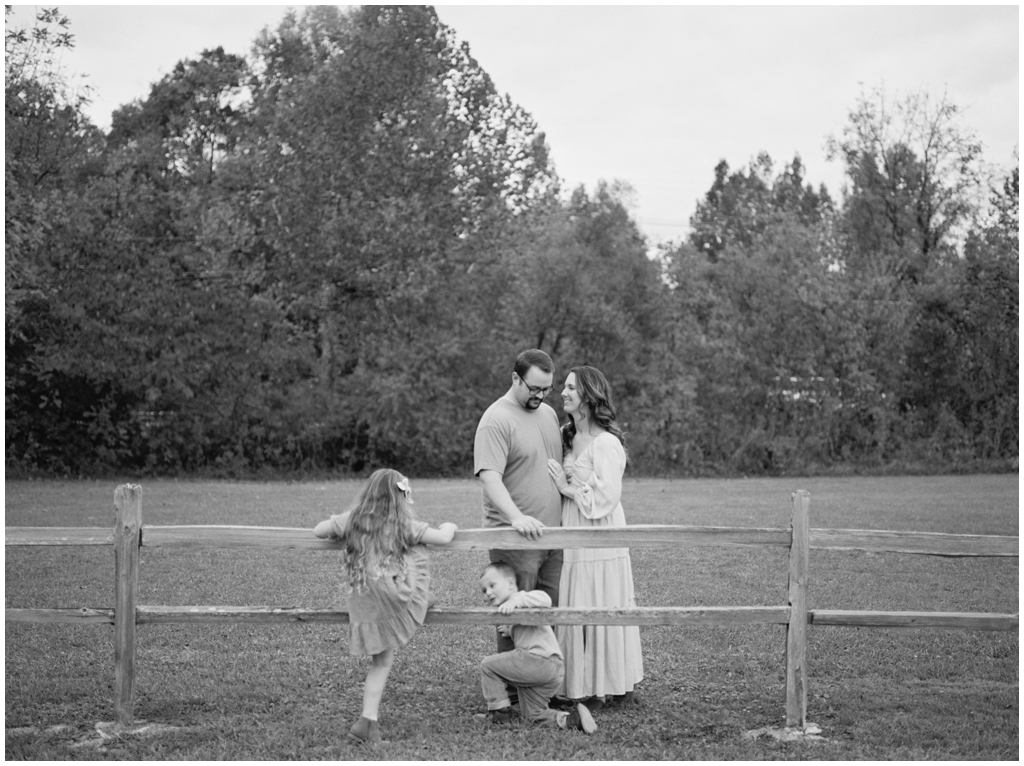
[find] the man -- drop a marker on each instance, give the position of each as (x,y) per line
(515,438)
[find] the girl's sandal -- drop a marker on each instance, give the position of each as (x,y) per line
(366,732)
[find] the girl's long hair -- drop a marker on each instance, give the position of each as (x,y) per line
(379,529)
(595,392)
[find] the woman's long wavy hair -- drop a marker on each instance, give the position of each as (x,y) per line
(596,394)
(379,530)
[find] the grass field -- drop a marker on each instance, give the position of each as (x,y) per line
(291,691)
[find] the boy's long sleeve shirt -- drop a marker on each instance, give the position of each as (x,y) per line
(535,639)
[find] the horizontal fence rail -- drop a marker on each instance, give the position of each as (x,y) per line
(947,620)
(479,539)
(930,543)
(718,615)
(638,535)
(81,616)
(58,536)
(681,615)
(129,535)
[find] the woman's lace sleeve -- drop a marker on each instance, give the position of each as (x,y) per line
(601,493)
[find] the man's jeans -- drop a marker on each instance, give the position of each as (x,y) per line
(536,678)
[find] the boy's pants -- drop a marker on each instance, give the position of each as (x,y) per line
(536,678)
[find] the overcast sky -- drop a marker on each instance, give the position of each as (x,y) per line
(652,95)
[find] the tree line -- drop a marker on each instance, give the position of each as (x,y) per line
(323,257)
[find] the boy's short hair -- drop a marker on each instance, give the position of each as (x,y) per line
(503,569)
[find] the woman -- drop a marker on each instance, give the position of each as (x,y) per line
(602,662)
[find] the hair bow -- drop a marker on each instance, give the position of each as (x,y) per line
(403,485)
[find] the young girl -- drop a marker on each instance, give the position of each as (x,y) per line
(387,571)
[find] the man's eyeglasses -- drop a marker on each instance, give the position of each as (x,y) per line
(537,390)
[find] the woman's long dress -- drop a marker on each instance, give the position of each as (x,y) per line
(599,659)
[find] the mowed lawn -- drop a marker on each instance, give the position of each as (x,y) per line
(291,691)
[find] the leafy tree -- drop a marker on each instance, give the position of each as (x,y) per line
(149,350)
(775,344)
(214,357)
(963,353)
(768,325)
(193,113)
(45,130)
(915,263)
(1002,232)
(915,176)
(586,284)
(49,146)
(739,206)
(46,140)
(380,153)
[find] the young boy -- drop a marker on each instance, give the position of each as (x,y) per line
(535,666)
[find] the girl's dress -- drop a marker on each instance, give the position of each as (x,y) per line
(389,610)
(599,659)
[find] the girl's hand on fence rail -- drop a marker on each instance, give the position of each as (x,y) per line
(440,536)
(323,529)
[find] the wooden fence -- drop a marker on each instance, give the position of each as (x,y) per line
(129,535)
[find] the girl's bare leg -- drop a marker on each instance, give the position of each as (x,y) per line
(376,677)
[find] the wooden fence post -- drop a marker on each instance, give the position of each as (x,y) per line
(127,536)
(796,634)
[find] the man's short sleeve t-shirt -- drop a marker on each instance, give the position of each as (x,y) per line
(517,443)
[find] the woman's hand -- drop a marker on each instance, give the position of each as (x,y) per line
(557,474)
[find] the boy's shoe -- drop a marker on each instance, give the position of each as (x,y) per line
(580,718)
(561,703)
(365,731)
(504,715)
